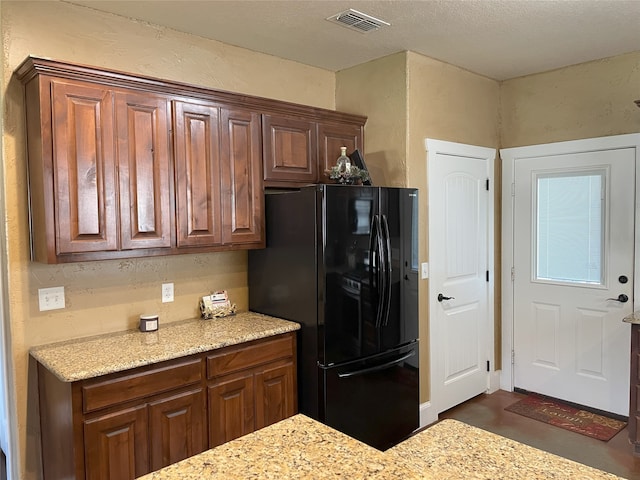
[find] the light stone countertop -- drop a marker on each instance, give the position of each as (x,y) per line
(454,450)
(301,448)
(295,448)
(634,318)
(90,357)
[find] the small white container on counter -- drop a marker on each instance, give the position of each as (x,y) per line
(148,323)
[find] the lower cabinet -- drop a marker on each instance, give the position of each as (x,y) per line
(247,391)
(634,400)
(176,428)
(275,393)
(245,402)
(117,444)
(231,404)
(124,425)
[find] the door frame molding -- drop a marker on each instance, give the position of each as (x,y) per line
(509,156)
(435,147)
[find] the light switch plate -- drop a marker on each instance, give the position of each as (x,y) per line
(167,292)
(51,298)
(425,270)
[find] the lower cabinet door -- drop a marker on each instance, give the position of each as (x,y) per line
(231,408)
(176,428)
(274,394)
(634,399)
(116,445)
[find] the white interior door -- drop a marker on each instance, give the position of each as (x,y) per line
(460,242)
(573,276)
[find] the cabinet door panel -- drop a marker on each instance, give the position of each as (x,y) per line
(634,399)
(197,155)
(176,428)
(116,445)
(144,170)
(330,138)
(84,166)
(231,406)
(289,149)
(274,394)
(242,194)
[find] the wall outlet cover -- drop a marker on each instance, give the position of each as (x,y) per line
(51,298)
(167,292)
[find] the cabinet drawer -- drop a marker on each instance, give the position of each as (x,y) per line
(246,356)
(140,384)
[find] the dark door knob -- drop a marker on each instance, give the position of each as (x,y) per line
(441,297)
(622,298)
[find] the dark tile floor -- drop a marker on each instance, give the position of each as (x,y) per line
(488,412)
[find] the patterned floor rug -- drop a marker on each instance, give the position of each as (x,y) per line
(555,412)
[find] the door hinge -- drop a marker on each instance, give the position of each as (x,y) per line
(488,366)
(487,184)
(513,274)
(487,275)
(513,189)
(513,357)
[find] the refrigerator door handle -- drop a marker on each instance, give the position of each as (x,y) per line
(377,368)
(382,273)
(388,268)
(375,264)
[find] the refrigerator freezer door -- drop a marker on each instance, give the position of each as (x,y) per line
(374,400)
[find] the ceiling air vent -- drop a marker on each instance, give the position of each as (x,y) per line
(355,20)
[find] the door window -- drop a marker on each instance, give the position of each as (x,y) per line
(569,227)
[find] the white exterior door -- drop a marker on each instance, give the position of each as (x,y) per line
(460,242)
(573,273)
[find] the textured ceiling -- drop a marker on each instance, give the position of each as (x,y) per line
(500,39)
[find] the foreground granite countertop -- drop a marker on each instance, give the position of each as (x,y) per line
(94,356)
(297,447)
(454,450)
(634,318)
(301,448)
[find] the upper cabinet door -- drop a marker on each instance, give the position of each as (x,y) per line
(333,136)
(289,149)
(144,170)
(242,192)
(84,168)
(198,179)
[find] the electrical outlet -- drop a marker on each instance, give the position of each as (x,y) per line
(51,298)
(425,270)
(167,292)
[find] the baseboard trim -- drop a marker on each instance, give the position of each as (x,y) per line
(494,381)
(428,415)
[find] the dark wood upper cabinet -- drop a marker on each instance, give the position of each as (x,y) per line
(198,175)
(289,149)
(299,151)
(144,170)
(122,165)
(242,196)
(330,138)
(85,171)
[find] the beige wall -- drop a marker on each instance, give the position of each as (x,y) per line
(407,98)
(378,90)
(593,99)
(108,296)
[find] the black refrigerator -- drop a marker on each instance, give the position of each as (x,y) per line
(342,261)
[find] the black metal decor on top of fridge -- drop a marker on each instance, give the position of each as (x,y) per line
(342,261)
